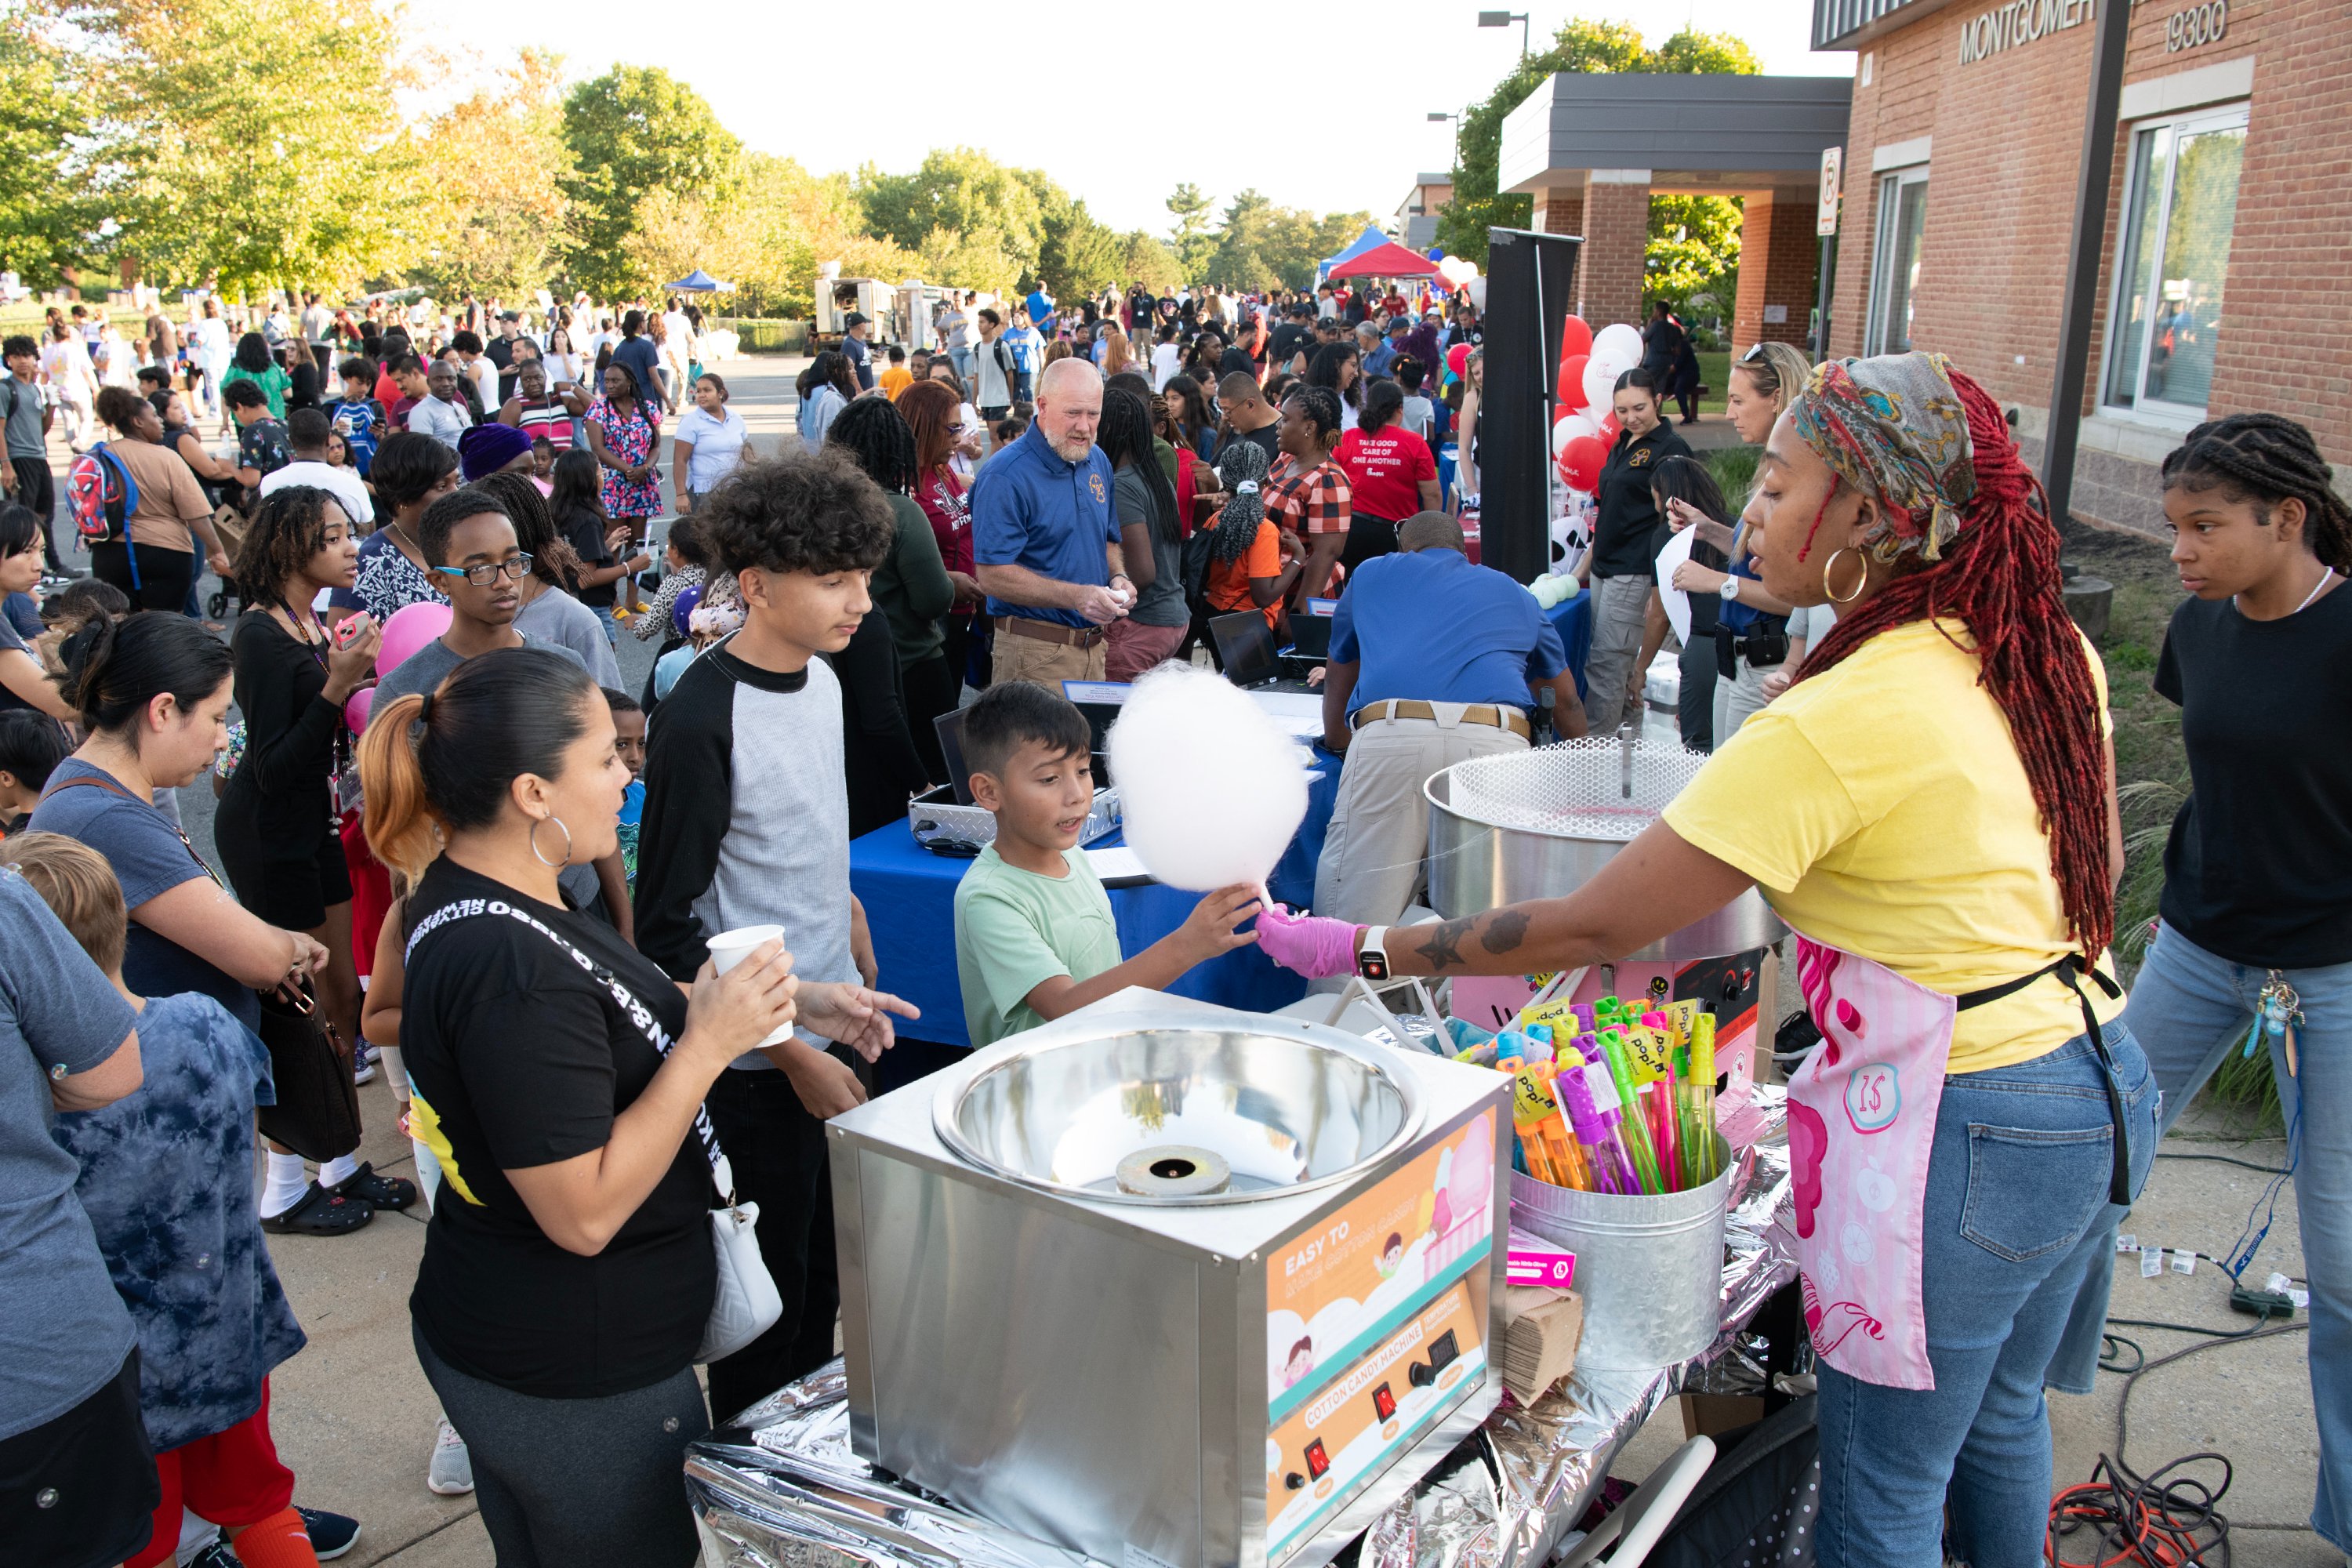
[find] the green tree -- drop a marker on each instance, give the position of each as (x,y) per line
(1260,244)
(1077,255)
(498,161)
(41,120)
(1474,206)
(970,216)
(634,131)
(1190,240)
(215,159)
(1150,260)
(1694,240)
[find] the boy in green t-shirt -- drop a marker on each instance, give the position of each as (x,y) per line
(1035,938)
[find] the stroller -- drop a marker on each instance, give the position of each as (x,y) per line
(1753,1507)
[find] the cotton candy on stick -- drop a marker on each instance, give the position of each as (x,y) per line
(1210,790)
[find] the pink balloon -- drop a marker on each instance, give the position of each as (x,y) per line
(1575,338)
(410,628)
(356,710)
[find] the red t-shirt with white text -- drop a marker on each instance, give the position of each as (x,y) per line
(1385,471)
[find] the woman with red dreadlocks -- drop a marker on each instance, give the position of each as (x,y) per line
(1931,806)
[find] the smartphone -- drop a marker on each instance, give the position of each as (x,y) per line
(349,629)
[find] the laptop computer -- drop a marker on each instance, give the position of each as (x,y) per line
(1243,646)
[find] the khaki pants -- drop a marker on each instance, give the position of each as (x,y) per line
(1045,664)
(1372,868)
(1617,607)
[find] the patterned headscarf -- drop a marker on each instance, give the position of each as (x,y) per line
(1894,428)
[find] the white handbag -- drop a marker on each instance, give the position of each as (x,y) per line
(746,1302)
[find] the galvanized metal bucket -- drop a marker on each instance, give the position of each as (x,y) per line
(1650,1268)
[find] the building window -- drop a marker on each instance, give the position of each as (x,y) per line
(1895,269)
(2182,203)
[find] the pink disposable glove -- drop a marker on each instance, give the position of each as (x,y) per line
(1313,945)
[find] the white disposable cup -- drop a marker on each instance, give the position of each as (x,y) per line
(730,948)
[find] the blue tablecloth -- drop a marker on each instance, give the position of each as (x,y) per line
(1573,620)
(910,897)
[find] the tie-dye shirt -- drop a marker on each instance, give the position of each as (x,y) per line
(167,1181)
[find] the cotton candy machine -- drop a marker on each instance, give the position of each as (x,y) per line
(1171,1285)
(1541,824)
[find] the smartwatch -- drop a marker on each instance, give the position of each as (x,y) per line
(1729,590)
(1372,953)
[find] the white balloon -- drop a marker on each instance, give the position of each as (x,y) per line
(1563,433)
(1600,384)
(1212,792)
(1581,423)
(1617,344)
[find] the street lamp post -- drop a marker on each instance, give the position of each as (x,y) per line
(1437,114)
(1504,19)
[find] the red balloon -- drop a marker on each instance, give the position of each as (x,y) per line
(1610,427)
(1575,338)
(1571,382)
(1457,358)
(1580,461)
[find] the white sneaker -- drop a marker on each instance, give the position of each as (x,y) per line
(363,1071)
(452,1471)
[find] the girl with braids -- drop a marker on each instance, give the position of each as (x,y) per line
(1252,563)
(1151,541)
(1931,805)
(1311,497)
(2258,872)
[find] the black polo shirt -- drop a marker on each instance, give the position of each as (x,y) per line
(1631,532)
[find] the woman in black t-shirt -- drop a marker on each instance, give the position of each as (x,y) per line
(2257,902)
(559,1076)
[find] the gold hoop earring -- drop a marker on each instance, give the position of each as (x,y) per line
(550,865)
(1828,566)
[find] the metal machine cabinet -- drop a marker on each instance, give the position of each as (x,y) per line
(1172,1285)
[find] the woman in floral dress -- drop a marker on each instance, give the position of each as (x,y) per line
(626,439)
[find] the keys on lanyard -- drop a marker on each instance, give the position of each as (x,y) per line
(2278,1018)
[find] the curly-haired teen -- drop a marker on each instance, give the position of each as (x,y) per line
(275,828)
(746,822)
(1931,803)
(2258,871)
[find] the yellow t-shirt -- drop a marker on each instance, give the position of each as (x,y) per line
(1882,809)
(896,380)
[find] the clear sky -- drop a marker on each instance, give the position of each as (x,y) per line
(1321,116)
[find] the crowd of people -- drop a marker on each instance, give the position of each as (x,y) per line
(459,853)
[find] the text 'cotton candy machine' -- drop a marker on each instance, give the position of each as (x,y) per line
(1171,1285)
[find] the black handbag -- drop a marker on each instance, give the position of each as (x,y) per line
(317,1111)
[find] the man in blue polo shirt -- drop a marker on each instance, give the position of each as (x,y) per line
(1432,661)
(1045,540)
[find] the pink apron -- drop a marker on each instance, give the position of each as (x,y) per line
(1862,1125)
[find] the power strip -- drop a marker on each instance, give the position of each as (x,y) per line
(2261,1303)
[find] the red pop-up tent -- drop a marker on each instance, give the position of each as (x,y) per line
(1389,260)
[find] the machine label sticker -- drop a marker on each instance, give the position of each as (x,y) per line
(1362,1419)
(1335,1290)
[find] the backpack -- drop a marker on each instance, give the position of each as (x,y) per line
(100,495)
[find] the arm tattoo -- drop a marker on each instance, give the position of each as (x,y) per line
(1505,929)
(1443,946)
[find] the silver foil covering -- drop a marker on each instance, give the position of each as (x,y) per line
(780,1487)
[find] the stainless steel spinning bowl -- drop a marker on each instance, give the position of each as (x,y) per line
(1285,1111)
(1541,824)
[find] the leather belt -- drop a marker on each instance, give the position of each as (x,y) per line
(1486,713)
(1049,631)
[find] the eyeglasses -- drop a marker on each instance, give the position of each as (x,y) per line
(516,567)
(1755,352)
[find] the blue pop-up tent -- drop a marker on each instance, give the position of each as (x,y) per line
(698,282)
(1371,238)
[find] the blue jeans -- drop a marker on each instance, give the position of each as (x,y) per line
(1022,392)
(962,361)
(2193,1008)
(611,628)
(2019,1174)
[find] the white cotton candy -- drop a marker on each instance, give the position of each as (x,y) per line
(1211,790)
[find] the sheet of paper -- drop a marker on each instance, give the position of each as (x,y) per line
(1117,865)
(1677,603)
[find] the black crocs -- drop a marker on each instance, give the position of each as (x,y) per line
(320,1212)
(363,1185)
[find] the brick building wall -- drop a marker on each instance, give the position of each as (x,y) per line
(1560,210)
(1777,255)
(1616,239)
(2006,133)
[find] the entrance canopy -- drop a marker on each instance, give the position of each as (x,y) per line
(1685,135)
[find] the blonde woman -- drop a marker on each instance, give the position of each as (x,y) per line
(1119,352)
